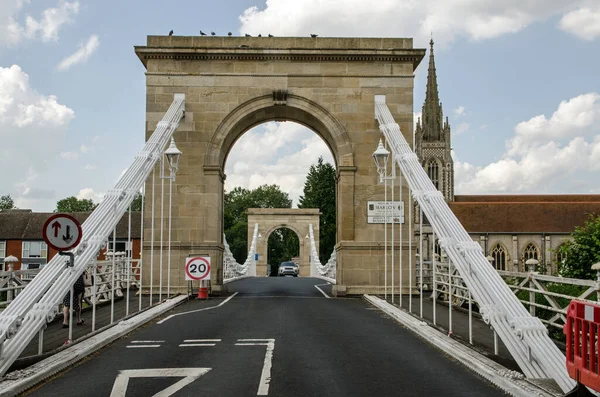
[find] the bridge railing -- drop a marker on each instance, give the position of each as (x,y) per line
(232,269)
(39,301)
(525,336)
(328,270)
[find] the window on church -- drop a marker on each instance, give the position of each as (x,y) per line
(433,172)
(499,254)
(530,252)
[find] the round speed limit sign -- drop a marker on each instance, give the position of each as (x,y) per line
(197,268)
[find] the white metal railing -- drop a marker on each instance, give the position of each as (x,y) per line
(38,303)
(232,269)
(316,268)
(525,336)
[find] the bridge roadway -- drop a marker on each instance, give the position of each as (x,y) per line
(304,344)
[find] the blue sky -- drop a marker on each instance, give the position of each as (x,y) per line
(519,80)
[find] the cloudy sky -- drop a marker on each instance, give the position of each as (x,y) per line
(519,80)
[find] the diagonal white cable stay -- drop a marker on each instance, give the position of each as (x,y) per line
(38,303)
(328,269)
(524,335)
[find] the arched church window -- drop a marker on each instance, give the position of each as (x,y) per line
(530,252)
(433,172)
(499,254)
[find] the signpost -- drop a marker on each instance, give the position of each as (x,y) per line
(376,212)
(62,232)
(197,268)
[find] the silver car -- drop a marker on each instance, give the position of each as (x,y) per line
(288,269)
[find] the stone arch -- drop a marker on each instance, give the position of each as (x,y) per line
(263,109)
(295,219)
(531,251)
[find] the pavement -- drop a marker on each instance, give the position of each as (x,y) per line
(279,336)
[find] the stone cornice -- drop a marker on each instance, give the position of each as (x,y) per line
(307,75)
(413,56)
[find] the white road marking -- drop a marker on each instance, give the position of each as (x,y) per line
(147,341)
(265,377)
(202,340)
(198,310)
(196,344)
(323,292)
(140,346)
(190,374)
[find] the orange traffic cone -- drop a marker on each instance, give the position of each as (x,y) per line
(203,290)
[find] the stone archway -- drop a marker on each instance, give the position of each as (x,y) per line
(234,83)
(271,219)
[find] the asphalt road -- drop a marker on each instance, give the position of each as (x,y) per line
(278,337)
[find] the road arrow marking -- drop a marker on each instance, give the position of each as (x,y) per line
(189,375)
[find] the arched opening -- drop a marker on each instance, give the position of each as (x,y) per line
(433,173)
(283,245)
(531,251)
(279,165)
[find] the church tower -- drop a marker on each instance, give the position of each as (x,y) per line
(432,137)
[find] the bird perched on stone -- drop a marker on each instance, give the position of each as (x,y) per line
(244,46)
(247,35)
(260,35)
(229,34)
(313,35)
(171,33)
(270,35)
(202,33)
(212,33)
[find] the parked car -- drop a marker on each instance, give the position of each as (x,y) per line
(288,269)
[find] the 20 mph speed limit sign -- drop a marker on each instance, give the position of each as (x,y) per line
(197,268)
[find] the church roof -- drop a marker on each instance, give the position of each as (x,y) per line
(524,213)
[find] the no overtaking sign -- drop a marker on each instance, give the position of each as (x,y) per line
(197,268)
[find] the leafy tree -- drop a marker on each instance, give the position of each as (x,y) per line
(319,192)
(73,204)
(6,202)
(136,204)
(581,253)
(235,213)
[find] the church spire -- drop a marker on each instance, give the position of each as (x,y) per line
(432,108)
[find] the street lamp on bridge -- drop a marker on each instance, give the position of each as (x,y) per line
(380,156)
(173,155)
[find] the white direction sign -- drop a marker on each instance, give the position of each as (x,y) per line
(62,232)
(376,211)
(197,268)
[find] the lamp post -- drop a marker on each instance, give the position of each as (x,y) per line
(173,155)
(380,156)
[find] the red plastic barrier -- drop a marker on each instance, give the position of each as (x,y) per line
(581,330)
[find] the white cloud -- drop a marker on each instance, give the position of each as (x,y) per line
(461,129)
(545,155)
(33,128)
(14,29)
(89,194)
(448,19)
(69,155)
(583,22)
(85,149)
(81,55)
(572,118)
(275,153)
(459,111)
(90,167)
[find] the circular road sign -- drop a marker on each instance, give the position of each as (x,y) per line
(197,268)
(62,232)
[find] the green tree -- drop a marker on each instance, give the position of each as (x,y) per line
(73,204)
(582,252)
(235,213)
(319,192)
(6,202)
(136,204)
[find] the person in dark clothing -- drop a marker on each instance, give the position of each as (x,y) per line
(78,290)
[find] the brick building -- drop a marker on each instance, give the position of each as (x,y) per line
(21,236)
